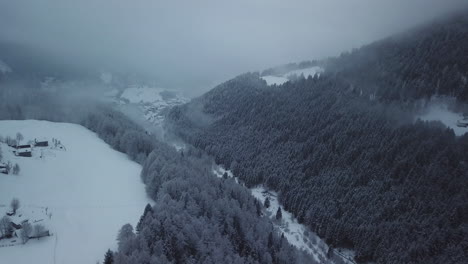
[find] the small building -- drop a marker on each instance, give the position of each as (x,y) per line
(16,226)
(463,122)
(22,146)
(41,143)
(3,168)
(23,152)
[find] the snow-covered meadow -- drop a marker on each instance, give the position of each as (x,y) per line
(279,80)
(90,191)
(441,112)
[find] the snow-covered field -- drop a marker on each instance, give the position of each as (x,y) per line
(90,191)
(279,80)
(440,112)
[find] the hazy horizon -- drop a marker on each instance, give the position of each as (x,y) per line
(193,46)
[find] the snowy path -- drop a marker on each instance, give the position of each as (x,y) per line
(90,189)
(297,234)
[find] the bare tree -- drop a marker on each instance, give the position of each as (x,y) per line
(15,204)
(16,169)
(19,137)
(5,226)
(26,231)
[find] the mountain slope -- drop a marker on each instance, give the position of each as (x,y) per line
(359,172)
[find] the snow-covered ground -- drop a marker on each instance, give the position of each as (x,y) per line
(151,102)
(279,80)
(297,234)
(441,112)
(90,189)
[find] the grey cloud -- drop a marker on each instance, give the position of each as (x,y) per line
(190,44)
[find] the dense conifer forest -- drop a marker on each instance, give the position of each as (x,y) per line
(353,167)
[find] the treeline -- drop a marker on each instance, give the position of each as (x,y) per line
(113,127)
(359,173)
(198,218)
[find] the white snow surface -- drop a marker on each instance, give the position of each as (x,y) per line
(279,80)
(90,189)
(440,112)
(306,72)
(4,68)
(297,234)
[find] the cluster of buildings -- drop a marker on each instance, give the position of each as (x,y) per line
(26,150)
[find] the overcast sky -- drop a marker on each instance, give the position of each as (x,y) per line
(206,41)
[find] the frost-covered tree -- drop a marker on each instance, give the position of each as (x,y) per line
(148,210)
(15,204)
(8,167)
(19,137)
(125,235)
(279,214)
(5,226)
(26,231)
(109,257)
(16,169)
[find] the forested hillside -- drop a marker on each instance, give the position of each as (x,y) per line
(359,172)
(197,217)
(426,61)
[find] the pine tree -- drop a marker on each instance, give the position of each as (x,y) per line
(148,209)
(267,202)
(109,257)
(279,214)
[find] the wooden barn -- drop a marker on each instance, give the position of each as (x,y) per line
(23,151)
(22,146)
(41,143)
(463,122)
(16,226)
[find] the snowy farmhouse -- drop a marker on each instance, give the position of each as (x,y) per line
(41,143)
(463,122)
(3,168)
(23,150)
